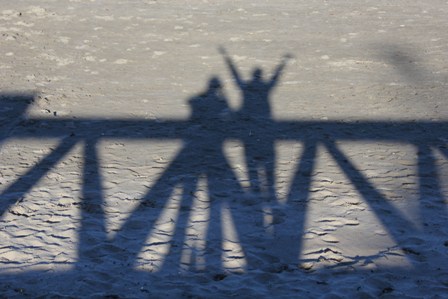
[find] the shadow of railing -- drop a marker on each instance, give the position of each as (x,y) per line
(202,158)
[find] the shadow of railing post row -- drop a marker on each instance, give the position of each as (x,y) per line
(202,157)
(203,136)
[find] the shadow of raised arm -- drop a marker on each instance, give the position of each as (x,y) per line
(278,71)
(231,66)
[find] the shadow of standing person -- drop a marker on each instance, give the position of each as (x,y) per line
(256,115)
(200,158)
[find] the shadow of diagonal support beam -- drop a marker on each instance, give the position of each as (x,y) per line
(134,233)
(23,185)
(444,149)
(391,218)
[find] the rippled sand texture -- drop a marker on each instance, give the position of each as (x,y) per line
(141,156)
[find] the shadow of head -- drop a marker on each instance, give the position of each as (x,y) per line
(257,74)
(214,83)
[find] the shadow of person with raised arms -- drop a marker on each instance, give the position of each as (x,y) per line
(256,115)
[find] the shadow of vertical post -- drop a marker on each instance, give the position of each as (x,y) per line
(299,195)
(431,201)
(92,233)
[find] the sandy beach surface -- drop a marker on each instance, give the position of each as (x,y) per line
(223,149)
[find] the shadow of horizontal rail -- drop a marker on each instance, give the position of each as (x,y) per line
(71,131)
(394,131)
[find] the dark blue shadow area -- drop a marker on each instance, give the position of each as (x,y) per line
(201,157)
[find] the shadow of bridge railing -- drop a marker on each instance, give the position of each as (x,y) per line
(202,137)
